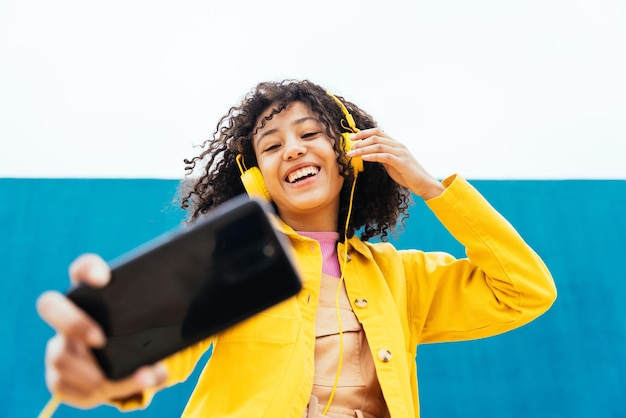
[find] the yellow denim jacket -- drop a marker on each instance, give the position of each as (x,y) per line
(263,367)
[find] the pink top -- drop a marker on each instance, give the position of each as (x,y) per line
(328,243)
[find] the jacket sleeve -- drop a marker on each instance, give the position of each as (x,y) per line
(179,366)
(501,285)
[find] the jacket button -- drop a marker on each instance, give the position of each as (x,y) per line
(360,303)
(384,355)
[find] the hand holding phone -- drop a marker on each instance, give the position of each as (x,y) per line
(72,374)
(189,284)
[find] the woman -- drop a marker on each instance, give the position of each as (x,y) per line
(345,345)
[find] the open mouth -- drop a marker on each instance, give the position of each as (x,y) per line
(301,174)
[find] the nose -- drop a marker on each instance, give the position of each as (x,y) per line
(294,148)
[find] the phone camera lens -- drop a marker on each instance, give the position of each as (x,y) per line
(269,250)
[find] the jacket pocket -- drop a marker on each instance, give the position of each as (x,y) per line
(327,350)
(279,324)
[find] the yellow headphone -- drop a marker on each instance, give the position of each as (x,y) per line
(252,178)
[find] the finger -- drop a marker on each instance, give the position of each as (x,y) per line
(151,376)
(90,269)
(366,133)
(373,147)
(70,395)
(385,158)
(66,318)
(143,378)
(75,360)
(377,138)
(77,379)
(72,364)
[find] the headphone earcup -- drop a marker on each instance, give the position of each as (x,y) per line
(355,162)
(254,184)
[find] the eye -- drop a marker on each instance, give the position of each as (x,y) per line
(309,135)
(271,148)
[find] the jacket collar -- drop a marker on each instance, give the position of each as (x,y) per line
(355,242)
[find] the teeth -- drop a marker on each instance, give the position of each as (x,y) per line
(302,173)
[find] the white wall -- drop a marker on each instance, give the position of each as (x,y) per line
(491,89)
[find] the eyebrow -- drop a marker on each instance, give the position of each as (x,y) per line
(295,122)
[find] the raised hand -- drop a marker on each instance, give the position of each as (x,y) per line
(375,145)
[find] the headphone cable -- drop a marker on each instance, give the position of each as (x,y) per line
(339,287)
(51,406)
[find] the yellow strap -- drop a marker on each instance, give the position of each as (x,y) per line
(50,407)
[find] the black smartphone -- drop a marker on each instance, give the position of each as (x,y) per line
(189,284)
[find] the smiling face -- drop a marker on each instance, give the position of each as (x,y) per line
(300,168)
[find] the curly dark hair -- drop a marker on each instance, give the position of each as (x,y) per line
(379,202)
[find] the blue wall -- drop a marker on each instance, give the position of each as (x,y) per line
(569,363)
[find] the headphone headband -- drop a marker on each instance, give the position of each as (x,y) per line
(348,116)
